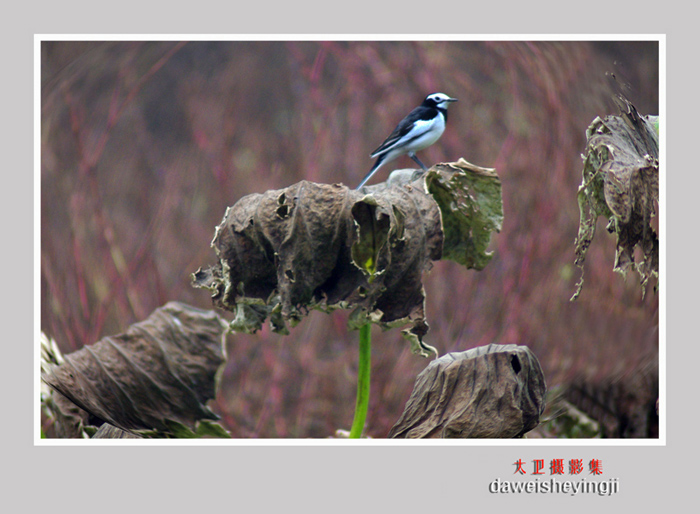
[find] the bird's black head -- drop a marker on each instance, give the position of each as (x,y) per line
(438,100)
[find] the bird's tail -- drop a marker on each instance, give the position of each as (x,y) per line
(377,165)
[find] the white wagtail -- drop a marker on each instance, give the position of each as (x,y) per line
(421,128)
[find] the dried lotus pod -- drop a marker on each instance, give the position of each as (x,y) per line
(494,391)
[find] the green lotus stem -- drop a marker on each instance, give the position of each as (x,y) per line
(362,400)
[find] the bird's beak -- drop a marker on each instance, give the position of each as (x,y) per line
(451,99)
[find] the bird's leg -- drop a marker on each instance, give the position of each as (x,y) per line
(415,158)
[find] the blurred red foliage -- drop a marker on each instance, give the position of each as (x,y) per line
(145,144)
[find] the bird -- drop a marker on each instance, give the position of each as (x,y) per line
(421,128)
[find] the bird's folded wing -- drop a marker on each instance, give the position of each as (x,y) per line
(411,127)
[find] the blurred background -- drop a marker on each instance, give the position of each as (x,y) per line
(145,144)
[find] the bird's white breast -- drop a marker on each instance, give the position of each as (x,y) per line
(424,133)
